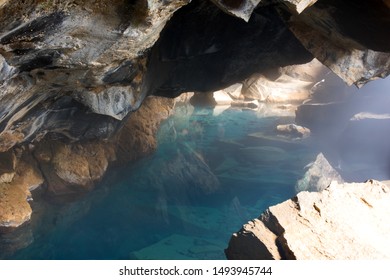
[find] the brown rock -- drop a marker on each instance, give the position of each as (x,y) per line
(138,136)
(79,165)
(14,208)
(293,130)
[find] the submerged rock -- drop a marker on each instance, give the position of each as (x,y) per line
(344,221)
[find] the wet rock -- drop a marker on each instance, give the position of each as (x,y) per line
(7,166)
(73,168)
(293,130)
(344,221)
(14,195)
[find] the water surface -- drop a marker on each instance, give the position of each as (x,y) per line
(212,172)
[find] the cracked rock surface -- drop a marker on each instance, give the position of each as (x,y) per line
(345,221)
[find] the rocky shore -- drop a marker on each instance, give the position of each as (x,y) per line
(343,222)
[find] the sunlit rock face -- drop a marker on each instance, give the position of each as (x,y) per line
(344,221)
(15,192)
(76,69)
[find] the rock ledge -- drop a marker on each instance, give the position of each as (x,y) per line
(344,221)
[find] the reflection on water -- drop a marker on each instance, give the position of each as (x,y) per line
(212,172)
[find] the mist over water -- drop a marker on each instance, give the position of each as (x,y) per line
(351,127)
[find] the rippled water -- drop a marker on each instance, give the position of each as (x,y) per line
(212,172)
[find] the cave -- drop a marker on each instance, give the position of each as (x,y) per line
(134,129)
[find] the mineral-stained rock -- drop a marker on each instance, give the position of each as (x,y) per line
(73,168)
(364,133)
(344,221)
(14,207)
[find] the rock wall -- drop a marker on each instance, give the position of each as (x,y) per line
(343,222)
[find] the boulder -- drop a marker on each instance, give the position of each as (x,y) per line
(347,221)
(318,176)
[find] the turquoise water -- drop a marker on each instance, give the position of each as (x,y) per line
(212,172)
